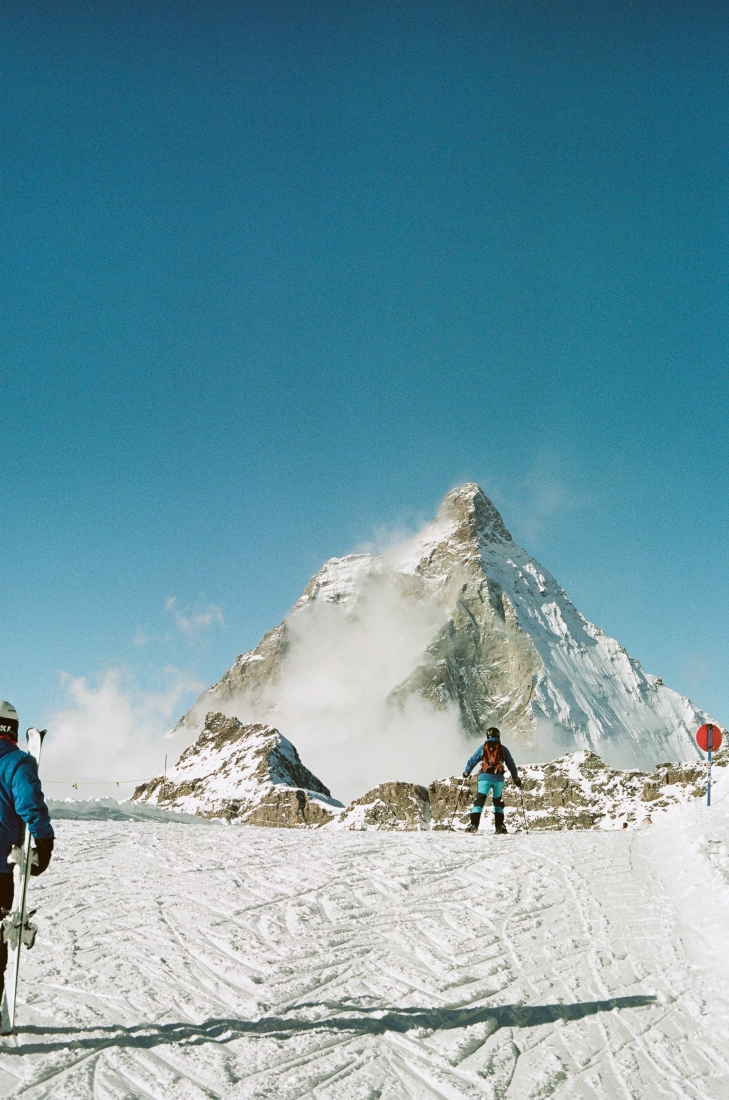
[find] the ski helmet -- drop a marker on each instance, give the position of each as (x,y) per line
(8,720)
(493,734)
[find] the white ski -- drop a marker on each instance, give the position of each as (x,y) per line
(17,929)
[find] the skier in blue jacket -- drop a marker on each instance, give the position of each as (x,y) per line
(21,803)
(492,755)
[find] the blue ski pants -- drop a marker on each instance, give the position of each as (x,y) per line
(488,783)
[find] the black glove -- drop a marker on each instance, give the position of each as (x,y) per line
(517,780)
(465,775)
(43,849)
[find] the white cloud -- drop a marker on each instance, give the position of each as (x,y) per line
(545,494)
(332,697)
(109,731)
(697,670)
(140,638)
(191,623)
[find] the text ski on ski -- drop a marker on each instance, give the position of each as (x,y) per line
(21,803)
(492,755)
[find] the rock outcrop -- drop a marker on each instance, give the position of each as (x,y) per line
(507,648)
(248,677)
(576,791)
(402,807)
(253,775)
(247,773)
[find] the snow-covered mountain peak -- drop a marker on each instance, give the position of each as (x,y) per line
(475,517)
(464,621)
(467,524)
(338,579)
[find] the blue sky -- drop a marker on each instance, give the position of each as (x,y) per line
(275,276)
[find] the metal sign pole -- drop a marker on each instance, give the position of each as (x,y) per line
(708,738)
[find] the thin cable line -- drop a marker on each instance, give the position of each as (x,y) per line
(96,782)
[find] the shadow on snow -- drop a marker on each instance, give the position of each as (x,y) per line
(369,1021)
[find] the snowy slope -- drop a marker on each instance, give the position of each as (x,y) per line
(108,809)
(232,963)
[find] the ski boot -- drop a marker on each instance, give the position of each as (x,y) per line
(499,826)
(475,821)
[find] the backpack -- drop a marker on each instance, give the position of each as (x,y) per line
(493,758)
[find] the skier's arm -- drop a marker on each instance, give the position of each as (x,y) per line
(30,805)
(474,760)
(509,761)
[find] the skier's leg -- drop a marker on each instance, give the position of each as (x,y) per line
(6,904)
(499,826)
(478,804)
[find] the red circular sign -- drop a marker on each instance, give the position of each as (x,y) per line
(702,738)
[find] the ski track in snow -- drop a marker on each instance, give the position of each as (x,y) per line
(231,962)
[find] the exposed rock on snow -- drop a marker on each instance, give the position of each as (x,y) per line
(247,677)
(507,647)
(451,801)
(251,774)
(578,791)
(391,806)
(242,772)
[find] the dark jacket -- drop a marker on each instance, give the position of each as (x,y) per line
(21,801)
(508,760)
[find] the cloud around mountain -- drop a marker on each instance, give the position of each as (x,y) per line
(391,666)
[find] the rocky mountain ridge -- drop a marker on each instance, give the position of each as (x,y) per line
(252,775)
(247,773)
(507,647)
(575,791)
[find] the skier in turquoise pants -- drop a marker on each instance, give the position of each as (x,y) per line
(492,755)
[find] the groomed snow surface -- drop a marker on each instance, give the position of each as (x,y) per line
(194,961)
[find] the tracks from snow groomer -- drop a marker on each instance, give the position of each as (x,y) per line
(258,960)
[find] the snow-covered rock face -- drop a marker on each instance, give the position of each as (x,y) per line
(253,775)
(579,791)
(242,772)
(403,807)
(517,653)
(488,631)
(575,791)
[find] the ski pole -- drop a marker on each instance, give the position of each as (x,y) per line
(455,808)
(521,796)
